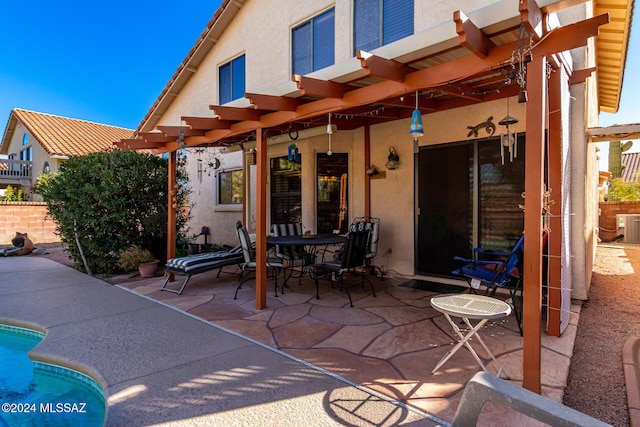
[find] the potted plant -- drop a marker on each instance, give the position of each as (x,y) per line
(140,258)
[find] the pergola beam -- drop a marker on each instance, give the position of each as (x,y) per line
(471,36)
(319,88)
(172,131)
(206,123)
(272,103)
(383,68)
(236,114)
(531,17)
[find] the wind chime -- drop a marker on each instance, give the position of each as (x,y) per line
(509,140)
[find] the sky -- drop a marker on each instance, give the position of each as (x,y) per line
(103,61)
(107,62)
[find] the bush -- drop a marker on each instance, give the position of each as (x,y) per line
(131,257)
(12,195)
(109,201)
(621,190)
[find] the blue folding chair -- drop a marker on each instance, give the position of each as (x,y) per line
(493,270)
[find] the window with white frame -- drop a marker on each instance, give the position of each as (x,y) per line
(26,153)
(313,44)
(380,22)
(230,187)
(231,80)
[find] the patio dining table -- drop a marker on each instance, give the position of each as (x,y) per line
(311,243)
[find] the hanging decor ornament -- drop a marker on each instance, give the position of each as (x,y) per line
(519,60)
(509,140)
(293,153)
(416,130)
(329,132)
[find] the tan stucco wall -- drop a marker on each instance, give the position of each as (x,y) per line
(261,30)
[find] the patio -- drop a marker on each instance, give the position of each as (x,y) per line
(388,344)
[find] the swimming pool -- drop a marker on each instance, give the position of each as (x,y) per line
(40,394)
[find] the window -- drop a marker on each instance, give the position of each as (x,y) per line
(231,80)
(26,154)
(380,22)
(286,191)
(46,168)
(230,187)
(313,44)
(25,139)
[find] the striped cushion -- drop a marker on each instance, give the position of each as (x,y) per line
(194,264)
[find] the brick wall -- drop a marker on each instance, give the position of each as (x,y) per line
(608,212)
(26,217)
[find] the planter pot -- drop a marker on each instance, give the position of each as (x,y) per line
(193,248)
(148,269)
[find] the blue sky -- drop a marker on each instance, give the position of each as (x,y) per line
(101,61)
(108,61)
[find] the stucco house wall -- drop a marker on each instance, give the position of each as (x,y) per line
(262,32)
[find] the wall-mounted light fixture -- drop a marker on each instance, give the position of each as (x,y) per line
(393,161)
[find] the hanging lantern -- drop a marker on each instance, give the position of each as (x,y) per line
(416,130)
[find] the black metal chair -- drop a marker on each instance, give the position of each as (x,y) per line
(352,260)
(274,265)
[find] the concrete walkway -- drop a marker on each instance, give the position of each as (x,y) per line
(159,366)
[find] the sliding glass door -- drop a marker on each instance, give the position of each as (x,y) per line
(466,198)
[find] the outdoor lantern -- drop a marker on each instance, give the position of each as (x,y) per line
(393,161)
(416,129)
(251,156)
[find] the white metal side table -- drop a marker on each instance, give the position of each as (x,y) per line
(470,307)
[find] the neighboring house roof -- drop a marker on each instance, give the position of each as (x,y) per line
(612,46)
(631,163)
(62,135)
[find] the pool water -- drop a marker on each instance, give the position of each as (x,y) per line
(39,394)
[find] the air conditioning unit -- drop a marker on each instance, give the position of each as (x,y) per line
(629,225)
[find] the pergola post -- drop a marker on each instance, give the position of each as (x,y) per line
(534,171)
(554,245)
(261,220)
(171,209)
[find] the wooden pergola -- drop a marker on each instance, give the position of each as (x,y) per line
(446,79)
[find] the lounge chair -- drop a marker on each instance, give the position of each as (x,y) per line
(196,264)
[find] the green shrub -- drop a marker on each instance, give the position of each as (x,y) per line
(131,257)
(109,201)
(620,190)
(12,195)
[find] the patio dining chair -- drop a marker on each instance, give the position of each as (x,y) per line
(373,224)
(352,261)
(274,265)
(294,258)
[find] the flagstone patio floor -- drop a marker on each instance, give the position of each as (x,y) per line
(389,343)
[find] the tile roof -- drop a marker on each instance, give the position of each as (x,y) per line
(631,163)
(71,137)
